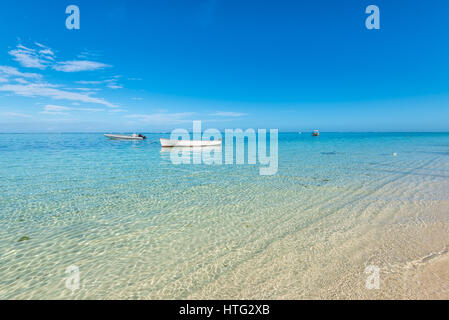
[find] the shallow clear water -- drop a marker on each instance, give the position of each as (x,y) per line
(138,226)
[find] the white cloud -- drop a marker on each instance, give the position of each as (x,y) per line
(79,65)
(89,82)
(49,91)
(110,83)
(14,115)
(43,57)
(90,90)
(62,110)
(28,58)
(47,52)
(31,84)
(40,45)
(11,71)
(22,81)
(51,107)
(90,109)
(55,110)
(228,114)
(162,118)
(114,86)
(89,54)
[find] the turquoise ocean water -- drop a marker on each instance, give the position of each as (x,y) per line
(138,226)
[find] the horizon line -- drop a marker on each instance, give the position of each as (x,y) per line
(167,132)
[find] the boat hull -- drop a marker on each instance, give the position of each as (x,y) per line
(167,143)
(120,137)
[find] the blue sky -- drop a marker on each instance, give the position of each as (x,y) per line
(157,65)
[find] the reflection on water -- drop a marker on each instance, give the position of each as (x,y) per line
(192,149)
(193,155)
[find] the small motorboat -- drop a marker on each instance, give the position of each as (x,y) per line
(315,133)
(167,143)
(124,137)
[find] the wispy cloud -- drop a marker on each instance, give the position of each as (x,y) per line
(114,86)
(14,115)
(90,109)
(89,82)
(20,80)
(62,110)
(30,58)
(109,83)
(55,110)
(48,53)
(43,57)
(32,85)
(89,90)
(89,54)
(79,65)
(40,45)
(49,91)
(11,71)
(45,51)
(228,114)
(15,82)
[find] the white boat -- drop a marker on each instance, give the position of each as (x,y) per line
(316,133)
(167,143)
(124,137)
